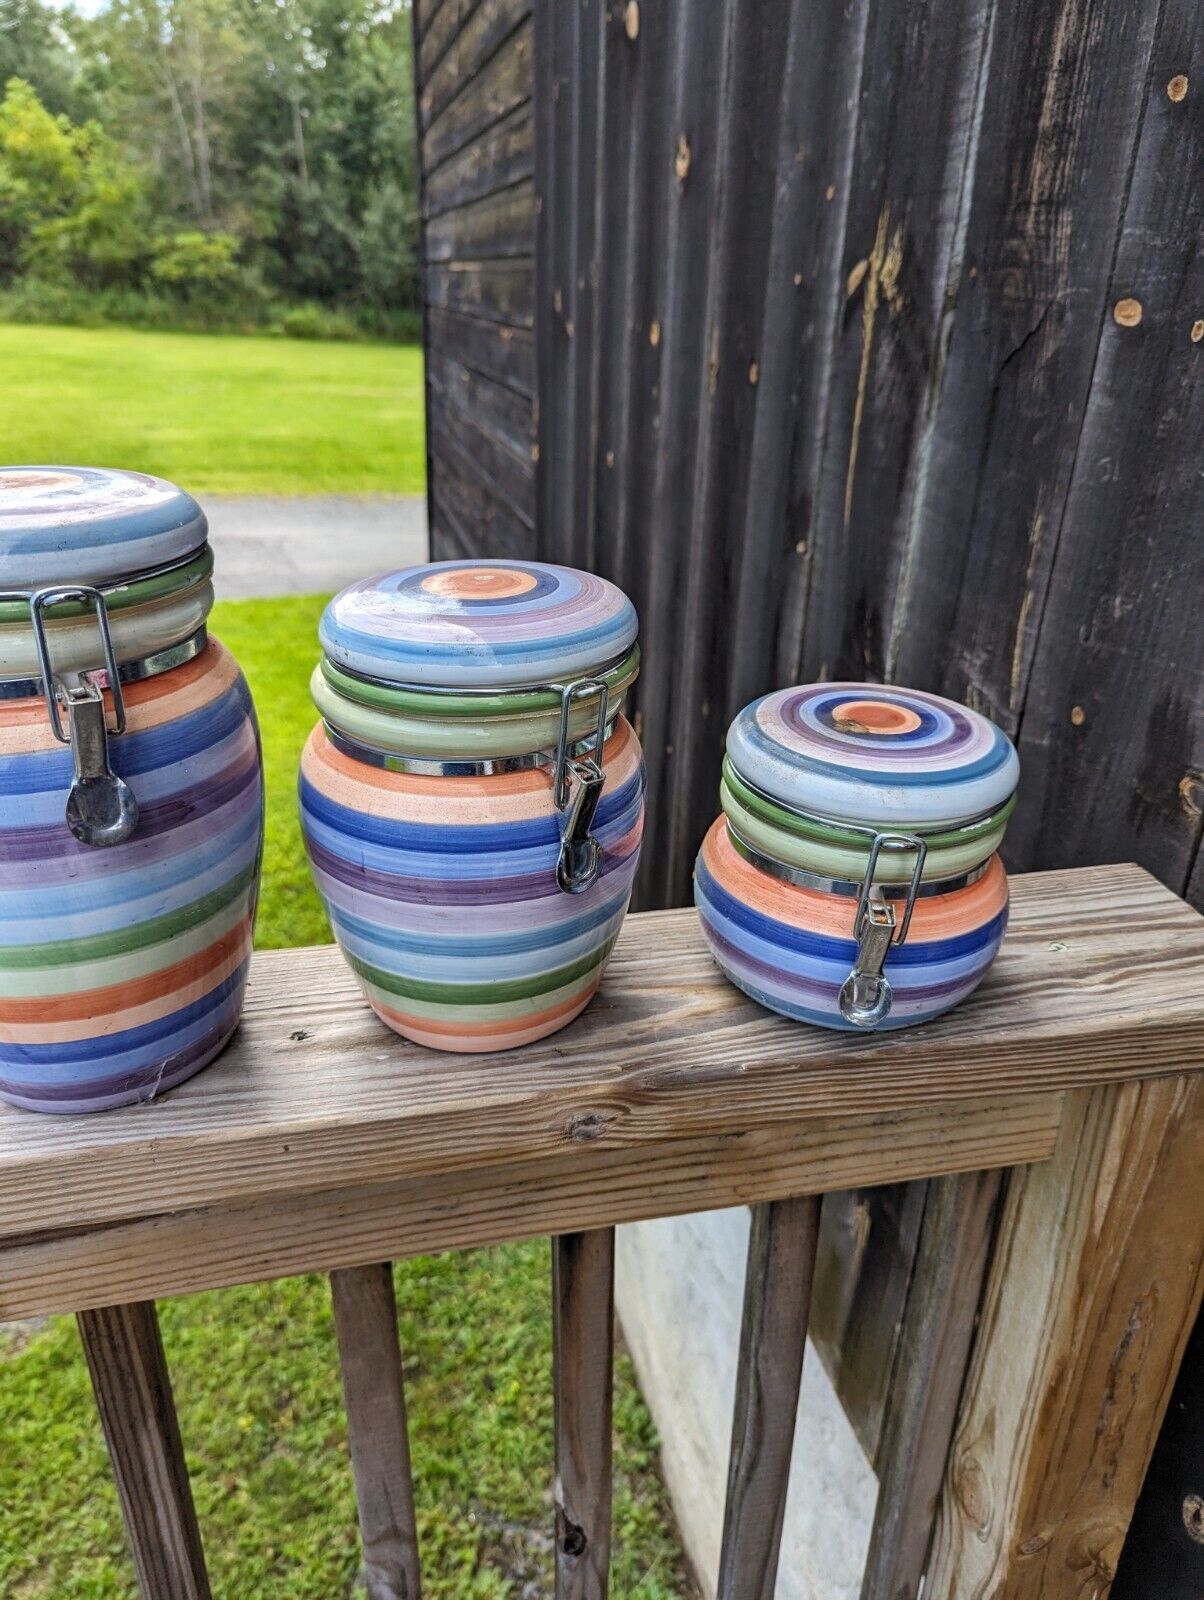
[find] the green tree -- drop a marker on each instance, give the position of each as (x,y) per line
(71,207)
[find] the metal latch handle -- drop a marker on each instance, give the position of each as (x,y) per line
(101,807)
(578,785)
(866,996)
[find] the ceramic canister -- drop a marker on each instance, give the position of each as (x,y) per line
(473,845)
(131,793)
(853,879)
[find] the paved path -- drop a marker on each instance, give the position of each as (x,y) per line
(310,544)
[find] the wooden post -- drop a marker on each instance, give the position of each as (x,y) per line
(133,1395)
(934,1346)
(1095,1284)
(583,1304)
(365,1319)
(777,1296)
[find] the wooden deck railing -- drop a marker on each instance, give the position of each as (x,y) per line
(320,1142)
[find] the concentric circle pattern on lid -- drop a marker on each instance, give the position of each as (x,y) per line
(861,752)
(478,624)
(91,525)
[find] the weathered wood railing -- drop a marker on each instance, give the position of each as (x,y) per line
(319,1142)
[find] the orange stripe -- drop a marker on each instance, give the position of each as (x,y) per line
(133,992)
(935,917)
(482,1030)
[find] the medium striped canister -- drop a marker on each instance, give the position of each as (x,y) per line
(131,793)
(473,798)
(853,879)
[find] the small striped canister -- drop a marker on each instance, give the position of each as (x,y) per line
(131,794)
(853,879)
(472,798)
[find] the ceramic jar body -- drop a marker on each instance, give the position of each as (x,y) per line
(122,969)
(791,948)
(442,891)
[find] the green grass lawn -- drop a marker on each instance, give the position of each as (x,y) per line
(216,413)
(256,1373)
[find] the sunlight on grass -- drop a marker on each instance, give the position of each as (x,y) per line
(216,413)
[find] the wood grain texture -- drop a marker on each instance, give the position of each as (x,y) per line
(583,1313)
(1100,977)
(863,1275)
(1095,1284)
(125,1358)
(934,1346)
(773,1336)
(365,1320)
(583,1185)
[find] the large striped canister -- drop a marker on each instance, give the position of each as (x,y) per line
(853,878)
(131,794)
(473,798)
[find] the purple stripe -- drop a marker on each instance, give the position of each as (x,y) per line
(53,847)
(779,978)
(451,891)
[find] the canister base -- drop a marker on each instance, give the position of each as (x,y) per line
(148,1087)
(485,1039)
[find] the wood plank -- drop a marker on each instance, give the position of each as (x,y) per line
(950,1269)
(773,1336)
(466,520)
(124,1351)
(456,434)
(1095,1285)
(1101,977)
(482,34)
(863,1275)
(581,1186)
(365,1320)
(497,410)
(439,25)
(499,291)
(1062,102)
(1120,644)
(497,158)
(1163,1555)
(493,349)
(498,89)
(583,1314)
(497,227)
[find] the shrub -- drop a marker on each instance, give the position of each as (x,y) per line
(195,261)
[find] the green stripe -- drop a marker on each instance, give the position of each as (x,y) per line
(480,994)
(778,817)
(384,697)
(140,592)
(100,946)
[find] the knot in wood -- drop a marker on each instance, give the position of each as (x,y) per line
(584,1127)
(1193,1517)
(573,1540)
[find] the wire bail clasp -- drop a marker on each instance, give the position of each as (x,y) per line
(578,788)
(101,807)
(866,995)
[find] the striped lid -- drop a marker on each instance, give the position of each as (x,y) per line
(478,624)
(864,753)
(91,525)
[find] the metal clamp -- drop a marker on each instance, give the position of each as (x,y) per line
(577,788)
(101,807)
(865,995)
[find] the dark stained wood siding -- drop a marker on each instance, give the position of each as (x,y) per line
(477,161)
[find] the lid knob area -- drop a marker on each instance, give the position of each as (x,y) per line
(478,625)
(873,755)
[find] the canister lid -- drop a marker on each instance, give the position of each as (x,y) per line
(91,525)
(478,624)
(865,753)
